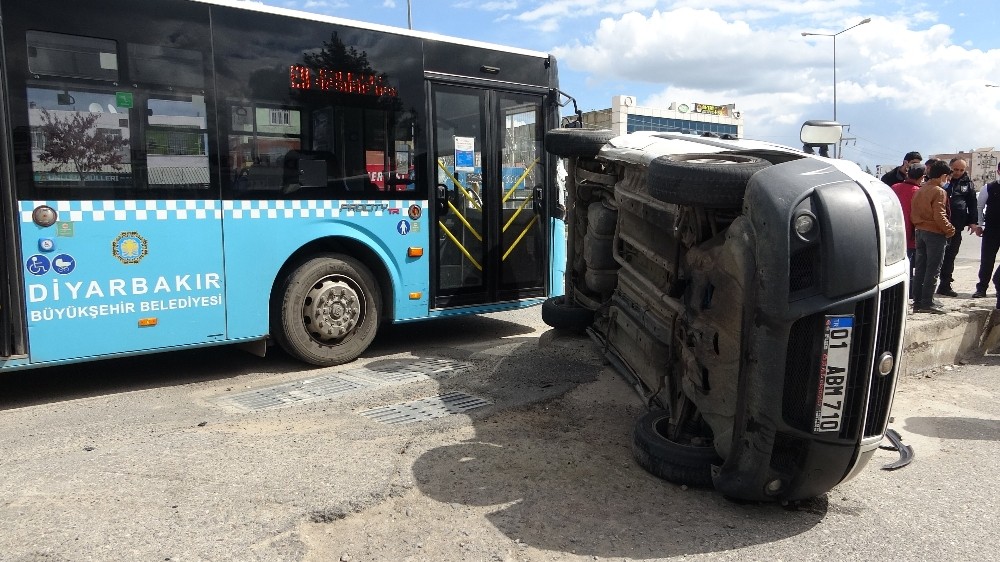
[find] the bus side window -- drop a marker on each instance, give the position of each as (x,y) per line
(72,109)
(175,131)
(322,151)
(177,142)
(260,138)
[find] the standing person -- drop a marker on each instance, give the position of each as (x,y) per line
(898,174)
(964,214)
(989,229)
(905,192)
(929,213)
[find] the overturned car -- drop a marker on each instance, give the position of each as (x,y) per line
(755,295)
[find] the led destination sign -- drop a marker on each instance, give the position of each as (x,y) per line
(302,77)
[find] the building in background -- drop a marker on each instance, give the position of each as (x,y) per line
(982,164)
(624,116)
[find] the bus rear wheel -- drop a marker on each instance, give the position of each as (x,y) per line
(328,311)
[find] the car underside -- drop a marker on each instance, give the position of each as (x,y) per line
(742,288)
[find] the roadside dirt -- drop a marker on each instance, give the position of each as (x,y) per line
(554,480)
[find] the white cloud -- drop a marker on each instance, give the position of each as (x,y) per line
(696,48)
(497,6)
(388,3)
(549,15)
(323,6)
(488,6)
(900,79)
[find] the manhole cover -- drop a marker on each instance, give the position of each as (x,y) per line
(298,392)
(426,408)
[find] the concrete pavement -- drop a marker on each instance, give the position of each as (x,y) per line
(965,332)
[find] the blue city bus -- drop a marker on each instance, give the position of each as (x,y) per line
(182,173)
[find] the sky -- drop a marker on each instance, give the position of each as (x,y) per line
(913,78)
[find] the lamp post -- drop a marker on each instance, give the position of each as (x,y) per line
(834,35)
(409,15)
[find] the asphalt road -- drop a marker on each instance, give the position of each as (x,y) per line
(160,458)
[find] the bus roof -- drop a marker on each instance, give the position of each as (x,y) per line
(259,7)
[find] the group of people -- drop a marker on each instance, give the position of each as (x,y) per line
(939,201)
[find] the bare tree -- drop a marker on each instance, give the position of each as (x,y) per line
(75,140)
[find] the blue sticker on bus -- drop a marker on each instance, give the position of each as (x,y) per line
(63,264)
(403,227)
(37,265)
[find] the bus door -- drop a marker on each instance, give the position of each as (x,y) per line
(489,220)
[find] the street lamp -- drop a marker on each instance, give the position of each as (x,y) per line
(834,35)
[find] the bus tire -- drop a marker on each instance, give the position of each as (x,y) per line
(557,314)
(685,464)
(328,310)
(567,143)
(703,180)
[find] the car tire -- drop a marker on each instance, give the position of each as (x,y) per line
(567,143)
(679,463)
(561,316)
(703,180)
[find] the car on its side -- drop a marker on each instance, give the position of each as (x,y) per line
(755,293)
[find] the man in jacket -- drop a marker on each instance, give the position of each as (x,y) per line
(989,229)
(929,213)
(962,200)
(898,174)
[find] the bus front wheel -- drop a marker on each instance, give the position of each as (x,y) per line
(328,312)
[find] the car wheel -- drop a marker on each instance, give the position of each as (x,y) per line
(681,463)
(703,180)
(576,142)
(327,311)
(562,316)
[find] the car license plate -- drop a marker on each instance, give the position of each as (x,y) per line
(833,374)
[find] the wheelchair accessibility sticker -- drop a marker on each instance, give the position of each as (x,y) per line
(37,265)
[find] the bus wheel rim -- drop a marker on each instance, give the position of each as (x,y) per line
(333,309)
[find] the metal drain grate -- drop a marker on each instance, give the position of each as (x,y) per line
(329,386)
(298,392)
(426,408)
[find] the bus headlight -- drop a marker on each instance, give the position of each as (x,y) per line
(893,227)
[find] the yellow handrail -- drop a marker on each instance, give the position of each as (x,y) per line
(518,212)
(461,248)
(520,236)
(458,184)
(519,180)
(461,219)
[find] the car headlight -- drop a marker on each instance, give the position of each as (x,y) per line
(893,227)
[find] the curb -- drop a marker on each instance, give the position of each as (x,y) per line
(966,332)
(931,341)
